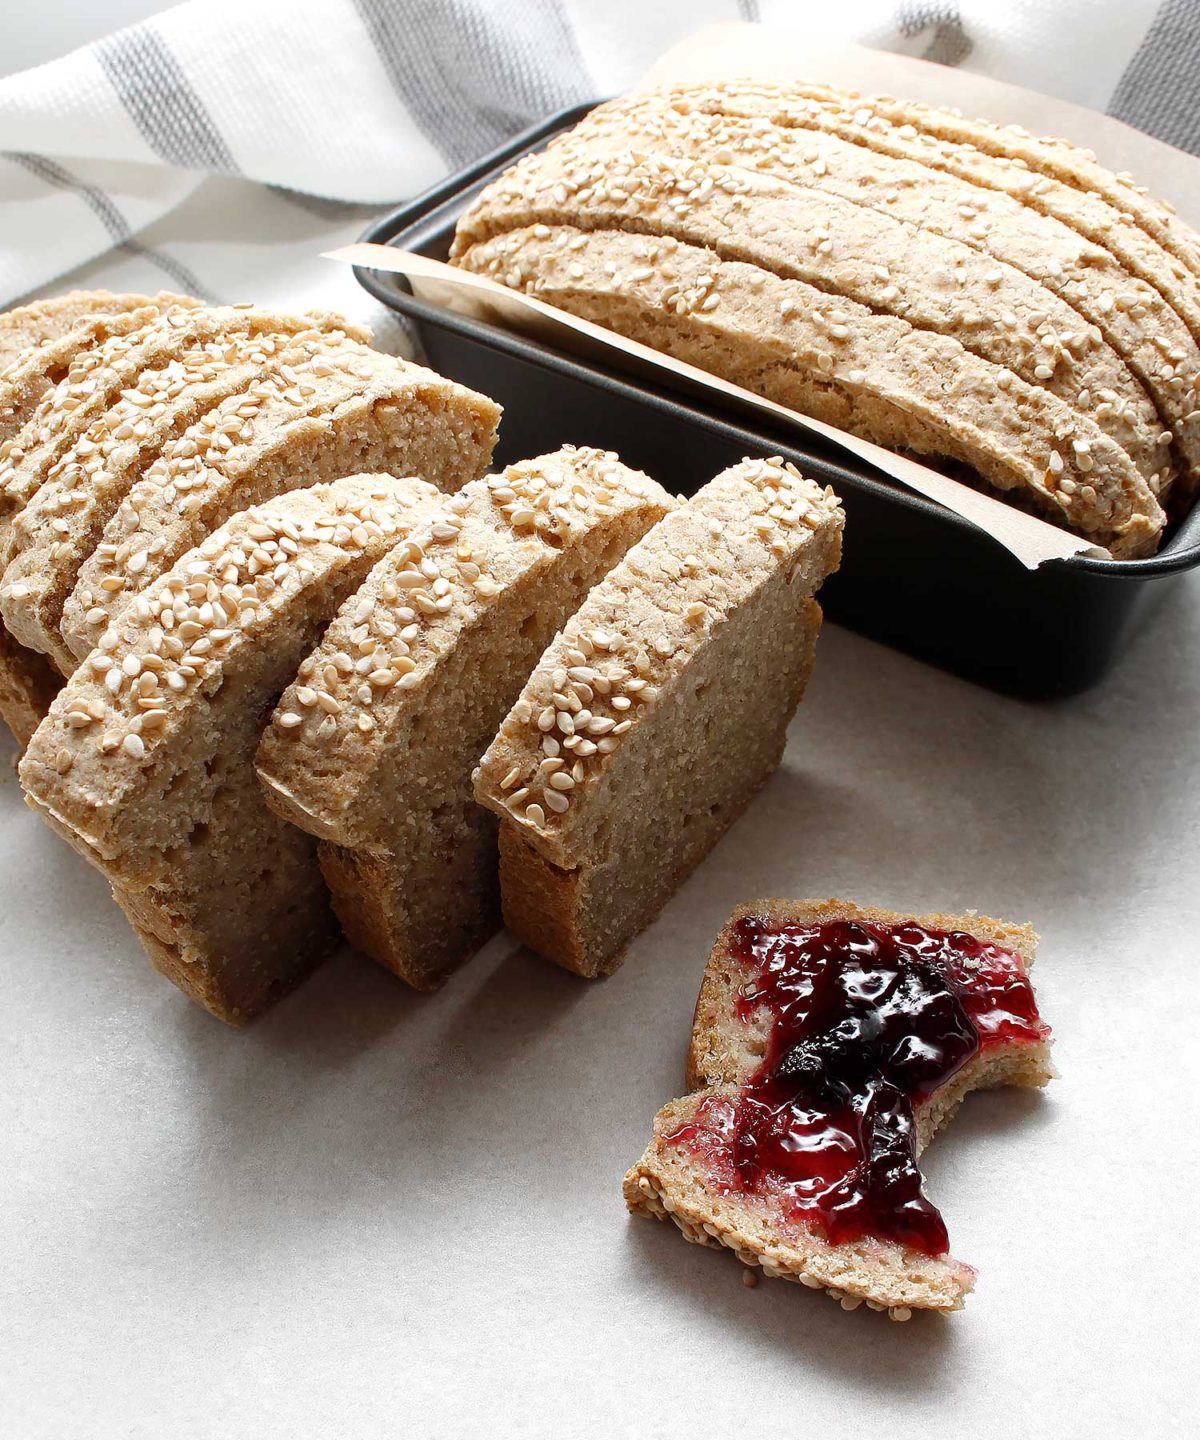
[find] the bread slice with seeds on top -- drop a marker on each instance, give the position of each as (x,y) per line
(658,712)
(816,1089)
(41,320)
(63,522)
(50,360)
(320,414)
(871,374)
(373,747)
(146,760)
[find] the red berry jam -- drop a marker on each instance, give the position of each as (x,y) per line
(866,1022)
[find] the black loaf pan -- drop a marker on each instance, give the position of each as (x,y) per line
(913,575)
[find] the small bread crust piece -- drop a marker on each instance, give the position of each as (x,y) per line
(668,1182)
(146,760)
(658,712)
(446,629)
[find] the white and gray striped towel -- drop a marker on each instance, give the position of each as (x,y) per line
(219,147)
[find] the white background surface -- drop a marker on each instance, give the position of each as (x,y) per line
(377,1214)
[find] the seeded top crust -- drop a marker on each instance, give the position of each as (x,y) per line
(725,1051)
(64,520)
(300,398)
(333,727)
(98,377)
(42,366)
(869,373)
(102,763)
(807,106)
(1131,316)
(842,248)
(621,653)
(43,320)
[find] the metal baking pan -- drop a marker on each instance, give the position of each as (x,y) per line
(913,575)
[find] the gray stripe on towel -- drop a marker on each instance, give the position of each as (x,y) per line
(1158,91)
(471,77)
(172,118)
(114,222)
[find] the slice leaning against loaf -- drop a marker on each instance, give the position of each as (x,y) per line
(869,374)
(146,760)
(658,712)
(1130,315)
(373,747)
(842,248)
(320,414)
(675,1180)
(64,521)
(41,367)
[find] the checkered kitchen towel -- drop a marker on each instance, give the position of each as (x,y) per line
(219,147)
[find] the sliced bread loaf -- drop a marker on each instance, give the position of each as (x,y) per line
(844,249)
(373,747)
(146,760)
(63,521)
(658,712)
(318,414)
(870,374)
(1131,315)
(734,1165)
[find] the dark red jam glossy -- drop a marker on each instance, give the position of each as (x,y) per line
(866,1022)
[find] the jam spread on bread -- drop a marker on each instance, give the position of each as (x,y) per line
(865,1021)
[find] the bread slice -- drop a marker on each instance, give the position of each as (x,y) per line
(658,712)
(146,760)
(681,1178)
(870,374)
(372,748)
(319,414)
(839,247)
(28,683)
(30,325)
(64,520)
(1131,315)
(49,361)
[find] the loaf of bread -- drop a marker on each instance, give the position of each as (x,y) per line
(658,712)
(1015,277)
(146,760)
(830,1043)
(372,747)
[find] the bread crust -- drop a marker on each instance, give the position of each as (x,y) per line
(725,1051)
